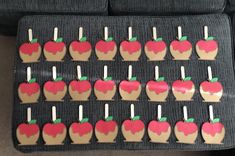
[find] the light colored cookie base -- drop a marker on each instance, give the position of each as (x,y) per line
(180,56)
(25,98)
(58,140)
(159,56)
(55,97)
(76,96)
(129,137)
(24,140)
(106,56)
(217,139)
(130,57)
(58,57)
(105,96)
(162,138)
(161,97)
(31,58)
(184,97)
(208,97)
(133,96)
(77,139)
(203,55)
(189,139)
(109,138)
(84,56)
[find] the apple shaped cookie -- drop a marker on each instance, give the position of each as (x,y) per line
(186,131)
(30,51)
(211,90)
(133,129)
(159,130)
(54,133)
(207,49)
(130,89)
(28,133)
(155,49)
(29,91)
(55,90)
(55,50)
(80,90)
(213,132)
(106,130)
(80,50)
(181,49)
(81,132)
(158,89)
(130,50)
(105,89)
(183,89)
(106,49)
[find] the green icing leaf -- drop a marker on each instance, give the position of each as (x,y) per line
(60,39)
(58,79)
(158,39)
(83,39)
(133,39)
(215,79)
(108,78)
(183,38)
(34,40)
(161,79)
(57,121)
(133,79)
(84,120)
(109,118)
(136,118)
(188,78)
(216,120)
(83,78)
(109,39)
(210,38)
(32,80)
(190,120)
(163,119)
(32,121)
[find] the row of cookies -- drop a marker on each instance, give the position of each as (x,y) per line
(105,89)
(133,129)
(106,49)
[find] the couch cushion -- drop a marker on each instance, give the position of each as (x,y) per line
(165,7)
(192,26)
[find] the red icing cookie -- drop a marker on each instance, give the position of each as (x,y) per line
(106,130)
(29,92)
(81,132)
(28,133)
(130,90)
(106,49)
(155,50)
(105,89)
(181,49)
(207,49)
(55,50)
(157,90)
(212,90)
(130,50)
(133,129)
(213,132)
(80,50)
(183,90)
(30,52)
(186,131)
(159,131)
(80,90)
(55,90)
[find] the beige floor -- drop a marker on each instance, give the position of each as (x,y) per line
(7,52)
